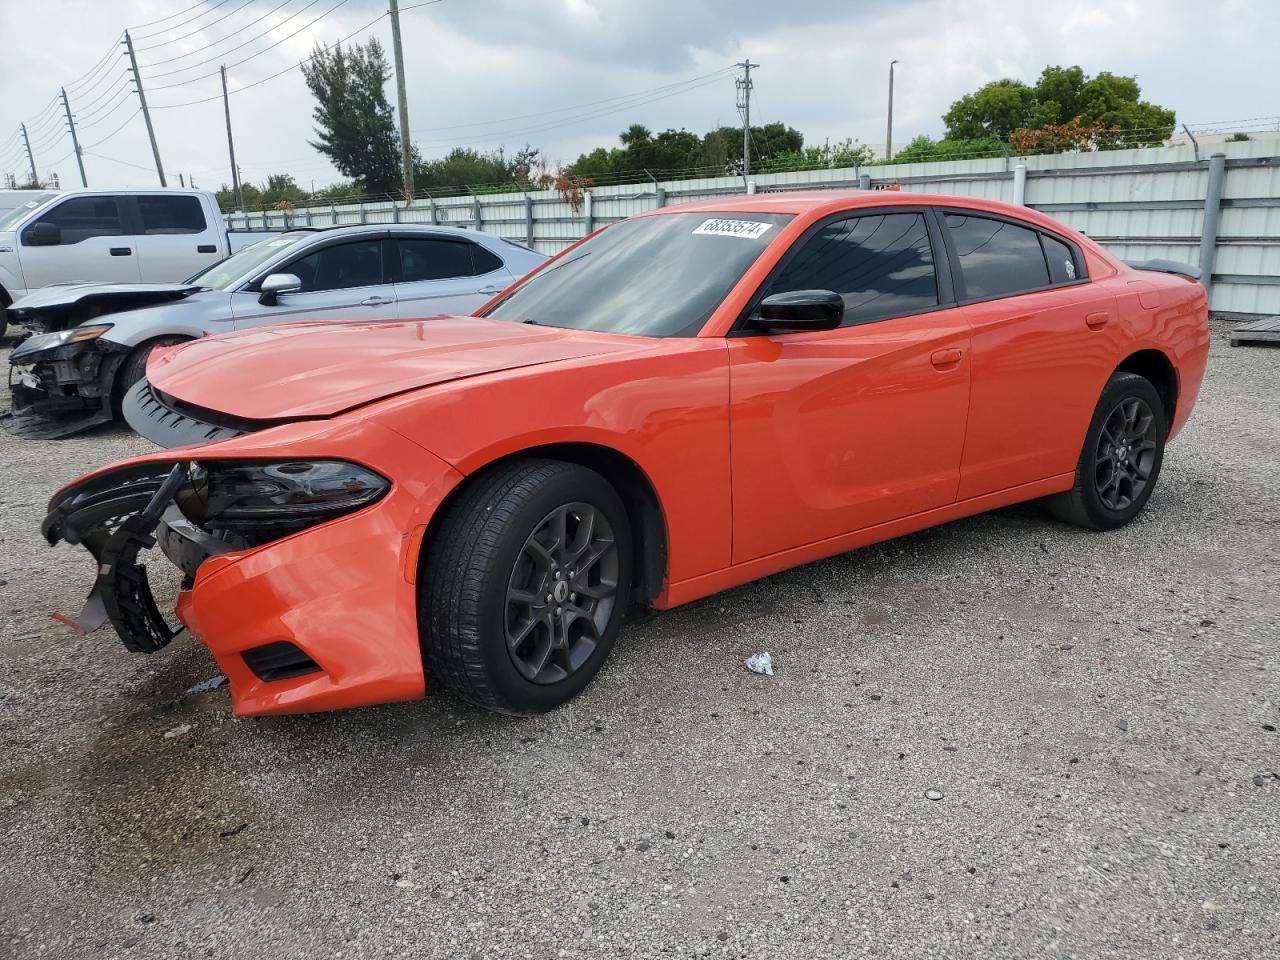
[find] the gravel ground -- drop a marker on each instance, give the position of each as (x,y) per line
(1096,713)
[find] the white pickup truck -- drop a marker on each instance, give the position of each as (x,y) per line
(116,236)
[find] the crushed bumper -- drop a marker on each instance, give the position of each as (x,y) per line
(323,618)
(62,391)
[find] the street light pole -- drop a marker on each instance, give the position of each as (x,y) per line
(888,133)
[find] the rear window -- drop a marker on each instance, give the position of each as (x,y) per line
(434,260)
(169,215)
(1061,258)
(997,258)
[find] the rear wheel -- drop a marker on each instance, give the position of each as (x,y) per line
(135,367)
(525,586)
(1121,459)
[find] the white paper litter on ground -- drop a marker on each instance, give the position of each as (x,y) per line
(760,663)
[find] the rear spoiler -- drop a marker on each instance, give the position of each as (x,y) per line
(1166,266)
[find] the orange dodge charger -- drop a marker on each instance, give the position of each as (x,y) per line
(681,402)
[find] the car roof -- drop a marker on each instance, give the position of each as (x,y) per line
(819,203)
(356,229)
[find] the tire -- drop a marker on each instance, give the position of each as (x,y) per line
(1106,497)
(135,367)
(483,615)
(5,301)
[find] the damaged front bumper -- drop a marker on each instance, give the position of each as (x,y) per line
(59,388)
(115,520)
(322,617)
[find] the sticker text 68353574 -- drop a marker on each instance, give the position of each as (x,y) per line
(746,229)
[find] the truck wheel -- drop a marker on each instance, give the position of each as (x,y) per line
(525,586)
(5,300)
(135,368)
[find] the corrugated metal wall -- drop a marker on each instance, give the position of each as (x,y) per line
(1140,204)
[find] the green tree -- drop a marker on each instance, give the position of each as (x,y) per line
(355,127)
(925,149)
(1060,96)
(467,167)
(995,110)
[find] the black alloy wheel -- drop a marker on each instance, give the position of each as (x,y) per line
(1126,454)
(562,593)
(524,585)
(1121,458)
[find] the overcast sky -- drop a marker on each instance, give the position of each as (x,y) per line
(491,72)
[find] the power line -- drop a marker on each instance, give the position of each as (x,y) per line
(172,16)
(126,163)
(88,109)
(88,122)
(128,119)
(539,128)
(200,63)
(80,83)
(183,36)
(591,103)
(272,76)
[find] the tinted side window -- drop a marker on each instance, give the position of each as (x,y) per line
(1062,262)
(486,261)
(434,260)
(881,265)
(81,218)
(165,215)
(339,267)
(997,259)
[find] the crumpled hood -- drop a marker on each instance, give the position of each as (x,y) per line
(320,369)
(69,294)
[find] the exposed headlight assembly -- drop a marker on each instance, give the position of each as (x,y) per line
(262,501)
(26,351)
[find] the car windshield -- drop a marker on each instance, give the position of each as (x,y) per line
(224,275)
(9,219)
(659,276)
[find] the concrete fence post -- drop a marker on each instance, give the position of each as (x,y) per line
(864,181)
(528,220)
(661,193)
(1020,185)
(1209,224)
(751,187)
(588,212)
(476,213)
(435,214)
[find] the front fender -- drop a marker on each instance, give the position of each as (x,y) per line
(200,315)
(11,281)
(667,411)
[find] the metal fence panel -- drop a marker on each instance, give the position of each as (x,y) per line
(1140,204)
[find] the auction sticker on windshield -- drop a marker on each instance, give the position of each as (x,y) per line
(747,229)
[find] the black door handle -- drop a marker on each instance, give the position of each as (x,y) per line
(121,251)
(206,248)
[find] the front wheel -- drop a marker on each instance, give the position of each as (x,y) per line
(525,586)
(134,367)
(1121,459)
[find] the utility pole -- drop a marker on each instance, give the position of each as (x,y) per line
(888,133)
(35,181)
(75,143)
(142,99)
(231,147)
(406,154)
(744,105)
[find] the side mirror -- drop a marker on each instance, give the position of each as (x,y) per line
(801,310)
(275,285)
(43,235)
